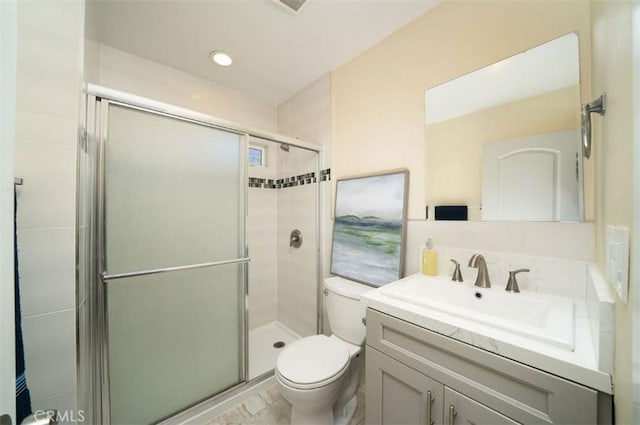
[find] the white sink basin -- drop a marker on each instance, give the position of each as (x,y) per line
(546,318)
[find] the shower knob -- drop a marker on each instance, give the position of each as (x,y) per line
(295,239)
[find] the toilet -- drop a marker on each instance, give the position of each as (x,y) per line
(319,375)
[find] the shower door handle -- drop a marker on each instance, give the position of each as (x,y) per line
(106,276)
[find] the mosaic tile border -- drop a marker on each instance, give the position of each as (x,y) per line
(299,180)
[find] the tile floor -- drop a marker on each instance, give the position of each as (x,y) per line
(270,408)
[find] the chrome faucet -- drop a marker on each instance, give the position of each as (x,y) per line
(477,261)
(457,275)
(512,283)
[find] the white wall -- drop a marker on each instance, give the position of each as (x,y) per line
(50,36)
(123,71)
(8,35)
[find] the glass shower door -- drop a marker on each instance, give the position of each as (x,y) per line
(173,261)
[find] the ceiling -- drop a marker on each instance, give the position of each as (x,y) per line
(275,52)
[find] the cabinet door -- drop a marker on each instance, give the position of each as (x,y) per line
(397,394)
(461,410)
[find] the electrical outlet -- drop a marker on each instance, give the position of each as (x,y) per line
(617,260)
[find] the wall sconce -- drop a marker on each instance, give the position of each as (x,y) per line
(597,106)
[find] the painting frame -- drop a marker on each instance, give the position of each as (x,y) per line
(370,227)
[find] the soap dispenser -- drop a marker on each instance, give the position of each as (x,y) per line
(430,260)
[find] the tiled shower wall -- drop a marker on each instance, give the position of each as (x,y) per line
(282,279)
(50,38)
(307,116)
(297,267)
(262,232)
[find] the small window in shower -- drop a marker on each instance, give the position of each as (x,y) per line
(257,156)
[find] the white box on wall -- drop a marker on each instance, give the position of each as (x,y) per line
(617,260)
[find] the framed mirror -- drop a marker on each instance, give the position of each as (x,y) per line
(503,142)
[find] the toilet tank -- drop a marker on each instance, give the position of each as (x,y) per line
(344,309)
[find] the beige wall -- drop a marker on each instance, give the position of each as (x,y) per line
(378,105)
(454,147)
(378,97)
(613,151)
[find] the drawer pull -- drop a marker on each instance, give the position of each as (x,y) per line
(452,413)
(429,403)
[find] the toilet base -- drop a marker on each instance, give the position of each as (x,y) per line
(344,415)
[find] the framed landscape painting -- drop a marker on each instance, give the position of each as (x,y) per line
(369,227)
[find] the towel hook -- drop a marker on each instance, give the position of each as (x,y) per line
(598,106)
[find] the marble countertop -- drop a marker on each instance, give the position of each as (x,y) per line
(579,365)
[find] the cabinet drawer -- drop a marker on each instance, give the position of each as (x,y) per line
(520,392)
(461,410)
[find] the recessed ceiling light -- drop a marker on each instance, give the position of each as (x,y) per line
(221,58)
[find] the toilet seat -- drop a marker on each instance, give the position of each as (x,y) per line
(312,362)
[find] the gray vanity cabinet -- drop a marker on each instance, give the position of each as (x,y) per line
(403,396)
(407,365)
(460,409)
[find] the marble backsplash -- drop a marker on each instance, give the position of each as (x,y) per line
(556,254)
(559,256)
(562,277)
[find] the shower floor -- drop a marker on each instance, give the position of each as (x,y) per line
(262,353)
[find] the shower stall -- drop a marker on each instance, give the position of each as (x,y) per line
(189,283)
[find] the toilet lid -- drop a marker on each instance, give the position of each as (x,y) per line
(312,359)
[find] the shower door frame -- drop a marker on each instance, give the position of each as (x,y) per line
(91,318)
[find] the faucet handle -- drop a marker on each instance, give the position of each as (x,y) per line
(457,275)
(512,284)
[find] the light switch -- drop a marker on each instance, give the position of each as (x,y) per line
(617,261)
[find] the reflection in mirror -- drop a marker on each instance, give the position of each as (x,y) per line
(504,140)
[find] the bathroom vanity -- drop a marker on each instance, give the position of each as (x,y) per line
(428,366)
